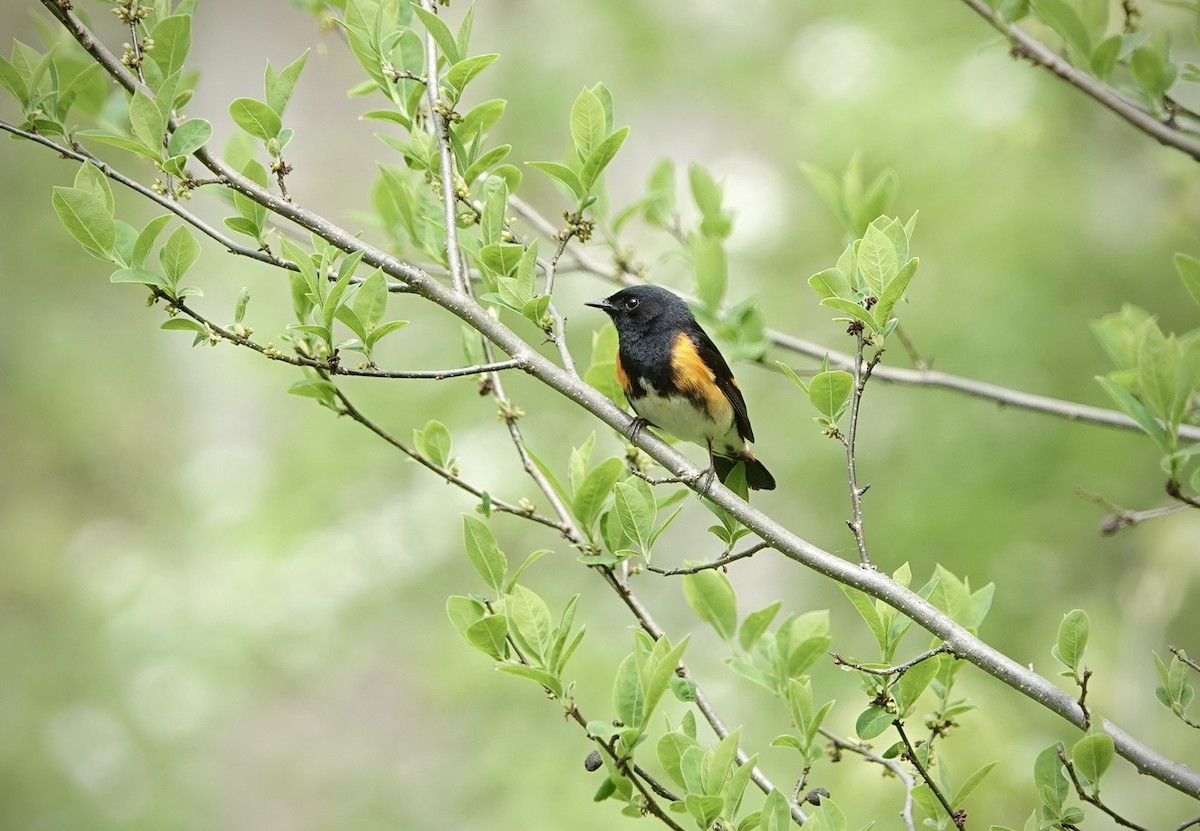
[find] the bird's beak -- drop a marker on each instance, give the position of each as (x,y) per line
(600,304)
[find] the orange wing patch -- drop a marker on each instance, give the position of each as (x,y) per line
(693,377)
(622,375)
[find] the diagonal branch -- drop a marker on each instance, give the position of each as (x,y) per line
(875,584)
(1026,46)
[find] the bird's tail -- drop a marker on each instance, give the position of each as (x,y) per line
(757,476)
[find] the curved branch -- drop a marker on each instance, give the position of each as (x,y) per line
(1027,46)
(875,584)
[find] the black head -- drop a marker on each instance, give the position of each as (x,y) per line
(637,306)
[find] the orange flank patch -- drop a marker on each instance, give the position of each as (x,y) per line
(622,376)
(695,379)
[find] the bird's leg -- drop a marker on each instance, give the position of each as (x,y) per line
(636,427)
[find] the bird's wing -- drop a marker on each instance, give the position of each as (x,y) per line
(726,383)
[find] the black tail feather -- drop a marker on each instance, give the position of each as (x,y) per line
(758,478)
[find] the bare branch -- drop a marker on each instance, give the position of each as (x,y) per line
(720,563)
(1120,518)
(897,670)
(897,770)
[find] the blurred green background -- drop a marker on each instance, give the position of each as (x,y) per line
(221,607)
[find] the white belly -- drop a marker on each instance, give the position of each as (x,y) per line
(684,420)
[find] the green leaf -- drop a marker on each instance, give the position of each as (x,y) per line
(384,329)
(488,635)
(256,118)
(671,748)
(893,291)
(704,809)
(86,218)
(179,253)
(185,324)
(147,122)
(529,622)
(756,624)
(486,162)
(461,73)
(711,596)
(878,259)
(370,303)
(189,137)
(1135,410)
(1049,778)
(1104,57)
(776,813)
(587,123)
(463,611)
(317,388)
(279,87)
(538,676)
(89,178)
(484,553)
(1189,272)
(635,514)
(145,240)
(830,390)
(441,34)
(1064,20)
(594,490)
(629,696)
(831,283)
(138,275)
(1092,755)
(851,310)
(912,683)
(970,784)
(604,153)
(872,722)
(1072,639)
(172,40)
(14,82)
(105,137)
(712,270)
(563,174)
(434,441)
(1150,71)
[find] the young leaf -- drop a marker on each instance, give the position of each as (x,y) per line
(189,137)
(370,304)
(711,596)
(594,491)
(829,391)
(1189,272)
(90,179)
(1092,755)
(86,218)
(441,34)
(484,553)
(604,152)
(172,39)
(563,174)
(587,123)
(712,270)
(629,696)
(872,722)
(279,87)
(461,73)
(256,118)
(179,253)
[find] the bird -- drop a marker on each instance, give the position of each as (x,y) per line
(676,379)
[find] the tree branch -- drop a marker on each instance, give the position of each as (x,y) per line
(1090,798)
(891,765)
(875,584)
(1029,47)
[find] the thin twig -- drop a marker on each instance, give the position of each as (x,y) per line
(1183,656)
(1175,491)
(875,584)
(899,669)
(353,412)
(1120,518)
(1083,691)
(861,376)
(80,154)
(1027,46)
(897,770)
(1188,824)
(334,367)
(959,818)
(440,131)
(1093,799)
(721,563)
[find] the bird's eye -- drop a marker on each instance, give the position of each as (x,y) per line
(631,303)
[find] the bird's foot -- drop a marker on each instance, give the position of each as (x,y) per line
(636,427)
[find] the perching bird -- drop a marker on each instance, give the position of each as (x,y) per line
(677,380)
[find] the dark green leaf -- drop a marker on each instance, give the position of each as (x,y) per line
(872,722)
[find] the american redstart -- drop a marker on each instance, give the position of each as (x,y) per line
(676,379)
